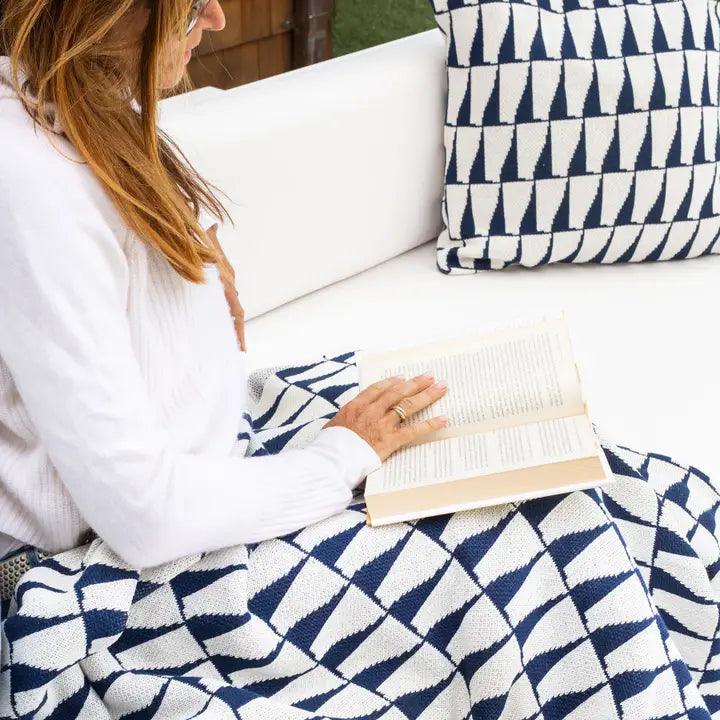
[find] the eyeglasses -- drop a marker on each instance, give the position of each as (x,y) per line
(196,10)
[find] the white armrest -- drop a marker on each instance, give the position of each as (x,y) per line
(330,169)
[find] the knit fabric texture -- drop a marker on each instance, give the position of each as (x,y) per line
(579,131)
(597,604)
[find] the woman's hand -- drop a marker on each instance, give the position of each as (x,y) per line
(227,275)
(371,416)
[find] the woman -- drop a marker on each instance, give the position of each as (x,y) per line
(122,394)
(122,385)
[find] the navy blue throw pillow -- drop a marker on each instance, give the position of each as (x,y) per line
(579,131)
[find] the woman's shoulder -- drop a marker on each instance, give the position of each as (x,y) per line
(32,155)
(28,150)
(41,170)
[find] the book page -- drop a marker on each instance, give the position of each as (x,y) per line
(488,453)
(513,377)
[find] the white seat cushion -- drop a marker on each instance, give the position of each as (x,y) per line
(645,335)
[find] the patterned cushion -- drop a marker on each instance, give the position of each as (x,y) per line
(597,605)
(579,131)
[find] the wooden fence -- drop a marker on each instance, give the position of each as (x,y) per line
(263,38)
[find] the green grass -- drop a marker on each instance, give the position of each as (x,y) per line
(363,23)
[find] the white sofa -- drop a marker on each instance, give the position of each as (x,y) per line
(335,178)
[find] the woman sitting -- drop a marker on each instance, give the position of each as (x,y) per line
(122,397)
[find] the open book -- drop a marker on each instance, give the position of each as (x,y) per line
(518,425)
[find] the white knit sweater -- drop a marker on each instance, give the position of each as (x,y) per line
(121,384)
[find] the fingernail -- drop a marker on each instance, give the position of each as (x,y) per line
(428,376)
(444,421)
(440,385)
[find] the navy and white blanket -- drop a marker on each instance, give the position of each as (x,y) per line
(589,606)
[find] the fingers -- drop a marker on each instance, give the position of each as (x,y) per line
(374,391)
(370,416)
(211,234)
(416,431)
(225,268)
(415,403)
(398,393)
(238,315)
(240,332)
(239,319)
(227,273)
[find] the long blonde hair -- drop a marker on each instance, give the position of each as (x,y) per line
(69,53)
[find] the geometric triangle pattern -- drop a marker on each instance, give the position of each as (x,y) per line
(609,608)
(579,131)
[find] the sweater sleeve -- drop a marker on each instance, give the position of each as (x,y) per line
(65,337)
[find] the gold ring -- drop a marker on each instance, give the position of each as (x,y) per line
(400,412)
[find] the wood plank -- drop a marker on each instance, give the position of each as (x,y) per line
(281,12)
(247,22)
(243,63)
(262,38)
(209,70)
(248,62)
(274,54)
(227,68)
(255,19)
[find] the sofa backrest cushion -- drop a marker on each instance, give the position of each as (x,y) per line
(329,169)
(579,131)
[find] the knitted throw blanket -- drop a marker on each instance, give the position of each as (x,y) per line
(589,606)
